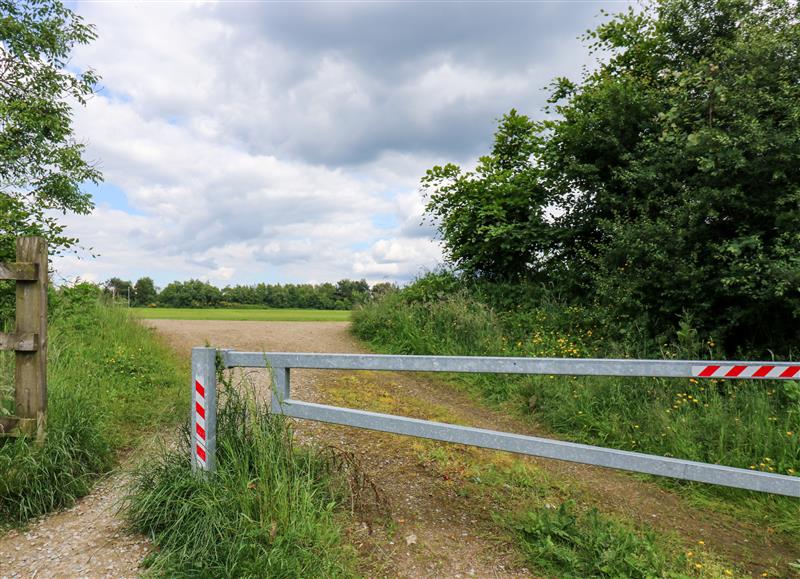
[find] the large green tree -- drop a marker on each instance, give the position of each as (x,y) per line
(42,165)
(673,172)
(677,166)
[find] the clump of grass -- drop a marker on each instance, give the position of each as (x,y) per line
(569,543)
(35,480)
(453,325)
(269,510)
(109,382)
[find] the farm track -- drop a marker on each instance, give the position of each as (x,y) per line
(456,535)
(436,532)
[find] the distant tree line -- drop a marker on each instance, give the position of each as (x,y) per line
(195,293)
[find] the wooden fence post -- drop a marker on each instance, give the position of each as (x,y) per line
(30,338)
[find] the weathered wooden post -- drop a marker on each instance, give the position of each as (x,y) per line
(29,340)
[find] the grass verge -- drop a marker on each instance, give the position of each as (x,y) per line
(270,509)
(513,500)
(739,423)
(243,314)
(109,382)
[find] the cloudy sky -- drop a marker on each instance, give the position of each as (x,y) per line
(284,142)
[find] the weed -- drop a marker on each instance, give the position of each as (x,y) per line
(567,543)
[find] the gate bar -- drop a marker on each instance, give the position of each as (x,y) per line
(547,448)
(281,364)
(725,369)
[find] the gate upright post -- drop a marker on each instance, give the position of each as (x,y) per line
(204,410)
(280,389)
(31,366)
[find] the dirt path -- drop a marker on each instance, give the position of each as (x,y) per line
(453,534)
(87,540)
(438,529)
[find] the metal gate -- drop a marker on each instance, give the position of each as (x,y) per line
(204,402)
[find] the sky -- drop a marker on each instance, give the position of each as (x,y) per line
(284,142)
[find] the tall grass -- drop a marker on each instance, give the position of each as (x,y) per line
(747,424)
(270,509)
(109,382)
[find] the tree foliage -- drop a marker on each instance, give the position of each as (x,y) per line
(342,295)
(492,219)
(144,292)
(193,294)
(673,173)
(41,163)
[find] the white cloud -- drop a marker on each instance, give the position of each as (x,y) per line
(285,143)
(396,258)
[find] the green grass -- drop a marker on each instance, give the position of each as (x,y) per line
(243,314)
(110,382)
(270,509)
(567,543)
(747,424)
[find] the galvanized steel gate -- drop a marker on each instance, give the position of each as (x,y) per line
(204,400)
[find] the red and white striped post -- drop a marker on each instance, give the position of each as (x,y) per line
(203,436)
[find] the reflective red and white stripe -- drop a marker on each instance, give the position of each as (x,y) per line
(200,423)
(779,371)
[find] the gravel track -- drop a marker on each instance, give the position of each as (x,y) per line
(437,532)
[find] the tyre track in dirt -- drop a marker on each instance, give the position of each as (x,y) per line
(454,535)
